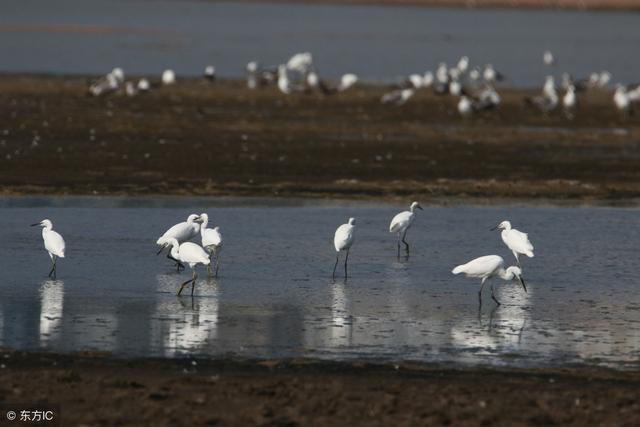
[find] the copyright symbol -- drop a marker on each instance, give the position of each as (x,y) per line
(11,415)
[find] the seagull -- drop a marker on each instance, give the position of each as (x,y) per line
(144,85)
(314,82)
(427,79)
(463,64)
(130,89)
(342,241)
(211,241)
(182,232)
(517,241)
(347,81)
(622,100)
(210,73)
(53,243)
(547,58)
(570,101)
(398,96)
(104,85)
(491,75)
(455,87)
(300,62)
(402,222)
(488,98)
(549,99)
(189,253)
(487,267)
(465,106)
(284,84)
(549,87)
(168,77)
(118,74)
(604,78)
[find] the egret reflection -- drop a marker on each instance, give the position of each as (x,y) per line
(51,307)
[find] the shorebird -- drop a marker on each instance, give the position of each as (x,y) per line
(342,241)
(491,75)
(189,253)
(402,222)
(144,85)
(570,101)
(301,62)
(463,64)
(182,232)
(398,96)
(53,244)
(347,81)
(211,241)
(168,77)
(487,267)
(284,84)
(622,100)
(210,73)
(517,241)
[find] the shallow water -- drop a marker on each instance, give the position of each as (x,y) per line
(275,298)
(377,43)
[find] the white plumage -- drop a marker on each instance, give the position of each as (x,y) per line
(347,81)
(53,243)
(182,232)
(517,241)
(342,241)
(487,267)
(189,253)
(168,77)
(402,222)
(211,240)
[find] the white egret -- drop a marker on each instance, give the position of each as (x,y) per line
(53,243)
(487,267)
(284,83)
(182,232)
(402,222)
(189,253)
(465,106)
(570,101)
(211,241)
(517,241)
(342,240)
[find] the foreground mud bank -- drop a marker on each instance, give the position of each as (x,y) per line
(94,389)
(196,138)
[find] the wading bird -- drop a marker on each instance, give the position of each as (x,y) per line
(189,253)
(402,222)
(182,232)
(53,243)
(211,241)
(517,241)
(487,267)
(342,240)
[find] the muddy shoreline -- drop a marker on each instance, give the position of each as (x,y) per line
(221,139)
(191,391)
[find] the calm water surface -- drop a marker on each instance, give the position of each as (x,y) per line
(275,298)
(377,43)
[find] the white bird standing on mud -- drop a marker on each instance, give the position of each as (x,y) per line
(182,232)
(570,101)
(211,241)
(517,241)
(342,241)
(168,77)
(402,222)
(487,267)
(53,243)
(189,253)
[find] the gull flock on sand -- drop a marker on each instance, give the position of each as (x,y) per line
(474,87)
(182,251)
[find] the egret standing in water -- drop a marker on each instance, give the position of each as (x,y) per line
(211,241)
(53,243)
(487,267)
(517,241)
(189,253)
(401,223)
(342,241)
(182,232)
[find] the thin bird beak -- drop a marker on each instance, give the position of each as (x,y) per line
(33,225)
(494,228)
(420,207)
(161,249)
(522,282)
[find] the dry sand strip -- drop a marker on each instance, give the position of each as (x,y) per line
(472,4)
(223,139)
(98,390)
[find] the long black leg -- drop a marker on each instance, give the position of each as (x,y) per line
(335,266)
(53,266)
(179,265)
(398,245)
(346,258)
(404,235)
(183,285)
(193,283)
(493,297)
(480,293)
(217,263)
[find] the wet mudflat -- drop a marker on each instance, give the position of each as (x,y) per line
(275,298)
